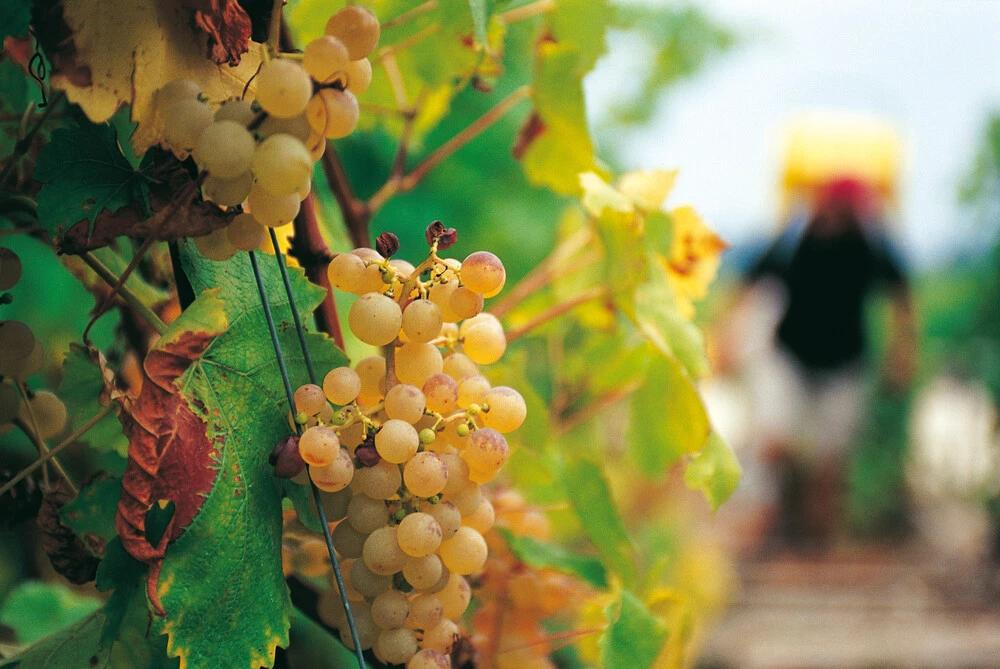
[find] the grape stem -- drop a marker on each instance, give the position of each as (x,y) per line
(130,298)
(34,434)
(595,293)
(52,453)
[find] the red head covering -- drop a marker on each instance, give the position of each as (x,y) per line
(848,192)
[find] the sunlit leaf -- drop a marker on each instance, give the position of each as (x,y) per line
(539,554)
(715,471)
(633,637)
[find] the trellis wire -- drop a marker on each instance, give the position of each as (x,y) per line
(289,394)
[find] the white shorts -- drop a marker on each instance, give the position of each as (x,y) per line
(816,414)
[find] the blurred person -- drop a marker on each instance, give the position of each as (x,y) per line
(808,384)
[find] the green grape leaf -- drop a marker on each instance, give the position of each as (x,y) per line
(93,510)
(633,637)
(558,143)
(659,319)
(36,609)
(221,583)
(714,471)
(668,417)
(81,389)
(582,23)
(538,554)
(314,647)
(83,173)
(590,496)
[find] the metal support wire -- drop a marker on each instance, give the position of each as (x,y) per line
(289,394)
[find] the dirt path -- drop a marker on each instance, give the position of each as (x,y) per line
(873,608)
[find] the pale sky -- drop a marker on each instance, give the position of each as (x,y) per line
(930,67)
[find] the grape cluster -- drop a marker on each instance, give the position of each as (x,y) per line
(21,355)
(259,155)
(403,443)
(519,600)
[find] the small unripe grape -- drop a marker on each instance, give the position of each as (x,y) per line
(425,475)
(357,28)
(419,534)
(184,121)
(397,441)
(507,409)
(459,366)
(335,476)
(296,126)
(425,612)
(483,272)
(375,319)
(458,474)
(421,321)
(368,583)
(447,515)
(341,385)
(283,88)
(333,113)
(442,637)
(319,446)
(396,646)
(215,245)
(359,75)
(366,514)
(49,413)
(380,481)
(324,58)
(483,339)
(405,402)
(415,363)
(482,519)
(10,269)
(465,553)
(240,111)
(440,294)
(177,90)
(346,271)
(427,436)
(487,451)
(272,210)
(347,540)
(309,399)
(382,553)
(224,149)
(441,392)
(390,609)
(16,341)
(455,597)
(245,233)
(280,164)
(371,370)
(472,390)
(423,572)
(429,659)
(465,303)
(227,192)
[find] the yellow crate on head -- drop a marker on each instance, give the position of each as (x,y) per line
(823,146)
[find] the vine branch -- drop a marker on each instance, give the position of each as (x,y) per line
(130,298)
(555,311)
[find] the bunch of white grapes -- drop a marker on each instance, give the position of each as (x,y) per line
(260,154)
(404,450)
(21,355)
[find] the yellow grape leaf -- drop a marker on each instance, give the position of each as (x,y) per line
(714,471)
(599,195)
(693,258)
(647,188)
(133,47)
